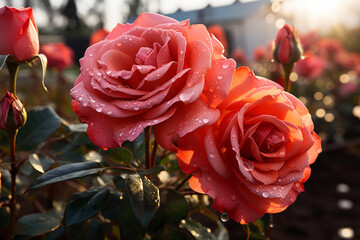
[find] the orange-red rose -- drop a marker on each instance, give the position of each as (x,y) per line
(255,158)
(98,36)
(155,72)
(59,55)
(19,33)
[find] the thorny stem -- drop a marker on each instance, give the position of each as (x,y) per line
(147,147)
(153,154)
(13,172)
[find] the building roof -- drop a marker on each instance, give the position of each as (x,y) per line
(210,15)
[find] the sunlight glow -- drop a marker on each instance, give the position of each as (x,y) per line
(316,14)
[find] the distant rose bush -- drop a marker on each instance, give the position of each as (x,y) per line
(155,72)
(19,33)
(59,55)
(98,36)
(255,158)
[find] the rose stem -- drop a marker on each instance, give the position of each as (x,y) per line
(13,172)
(13,70)
(148,148)
(287,71)
(153,154)
(183,182)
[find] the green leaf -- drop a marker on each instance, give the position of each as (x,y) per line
(38,223)
(3,59)
(144,198)
(85,205)
(173,208)
(119,155)
(40,124)
(173,233)
(155,169)
(197,230)
(41,58)
(130,228)
(67,172)
(40,163)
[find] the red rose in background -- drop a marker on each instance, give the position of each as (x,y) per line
(239,56)
(311,66)
(260,54)
(329,47)
(255,158)
(59,55)
(287,49)
(219,33)
(309,40)
(155,72)
(98,36)
(19,33)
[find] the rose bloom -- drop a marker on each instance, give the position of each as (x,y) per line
(311,66)
(219,33)
(59,55)
(19,33)
(255,158)
(155,72)
(98,36)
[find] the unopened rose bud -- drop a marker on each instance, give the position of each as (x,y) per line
(12,112)
(288,49)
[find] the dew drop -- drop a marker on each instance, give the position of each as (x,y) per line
(226,65)
(109,112)
(99,109)
(265,194)
(212,155)
(248,166)
(98,73)
(90,54)
(91,123)
(118,44)
(206,120)
(108,72)
(224,217)
(81,98)
(184,97)
(220,77)
(121,134)
(208,178)
(85,104)
(181,52)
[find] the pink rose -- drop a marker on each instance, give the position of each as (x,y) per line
(155,72)
(19,34)
(255,158)
(59,55)
(311,66)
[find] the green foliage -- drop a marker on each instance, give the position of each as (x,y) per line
(41,123)
(85,205)
(38,223)
(67,172)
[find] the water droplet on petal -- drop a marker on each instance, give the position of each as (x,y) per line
(185,97)
(91,54)
(91,123)
(81,98)
(226,65)
(98,73)
(109,112)
(99,109)
(248,166)
(220,77)
(212,155)
(136,108)
(85,104)
(265,194)
(224,217)
(118,44)
(206,120)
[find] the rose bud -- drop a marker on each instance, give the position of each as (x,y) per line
(19,34)
(12,112)
(288,49)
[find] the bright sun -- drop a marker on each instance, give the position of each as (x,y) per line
(318,15)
